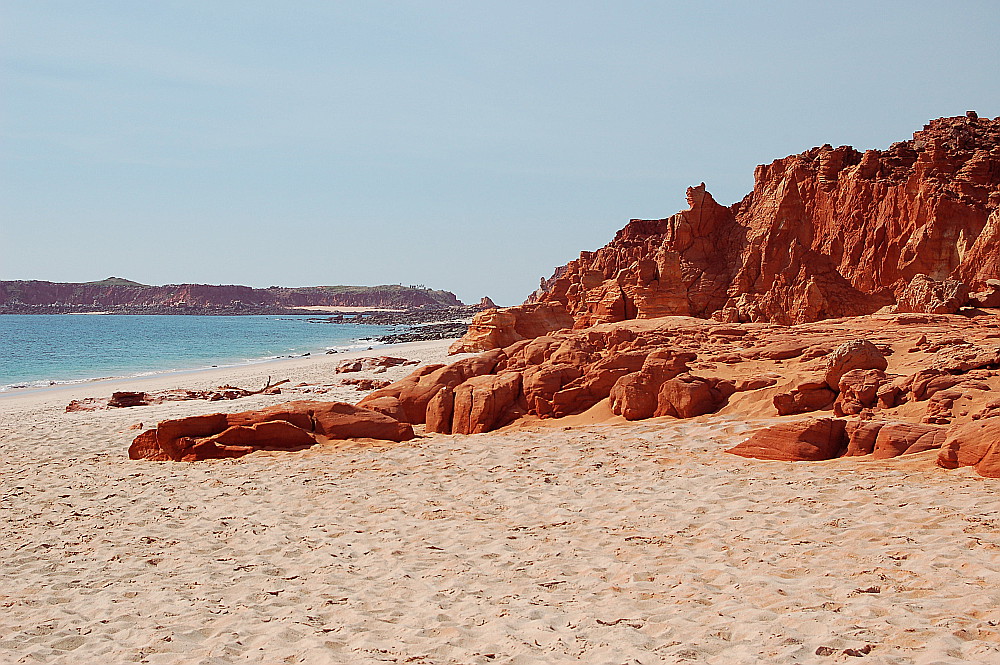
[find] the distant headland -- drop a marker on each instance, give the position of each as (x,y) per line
(116,295)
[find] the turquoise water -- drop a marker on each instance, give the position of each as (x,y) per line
(38,350)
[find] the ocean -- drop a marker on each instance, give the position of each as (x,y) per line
(41,350)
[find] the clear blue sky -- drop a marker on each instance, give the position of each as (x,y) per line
(468,146)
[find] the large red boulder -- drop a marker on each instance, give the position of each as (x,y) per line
(145,446)
(859,389)
(828,438)
(542,382)
(498,328)
(484,402)
(861,436)
(896,439)
(414,392)
(169,434)
(286,426)
(596,382)
(635,396)
(989,296)
(440,409)
(687,396)
(973,444)
(931,296)
(812,439)
(809,395)
(339,420)
(856,354)
(385,404)
(239,440)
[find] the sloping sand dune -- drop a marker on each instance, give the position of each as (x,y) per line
(586,542)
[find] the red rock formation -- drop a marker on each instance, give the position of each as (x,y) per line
(367,384)
(484,402)
(859,389)
(687,396)
(811,439)
(363,364)
(856,354)
(973,444)
(924,294)
(815,439)
(989,296)
(830,232)
(895,439)
(292,425)
(497,328)
(636,396)
(413,393)
(683,367)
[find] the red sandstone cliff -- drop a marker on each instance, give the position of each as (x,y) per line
(830,232)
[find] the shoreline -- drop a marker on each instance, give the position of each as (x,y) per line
(366,336)
(226,374)
(19,388)
(581,539)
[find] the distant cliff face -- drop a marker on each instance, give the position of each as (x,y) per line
(116,293)
(827,233)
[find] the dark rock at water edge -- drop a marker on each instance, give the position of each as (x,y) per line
(428,332)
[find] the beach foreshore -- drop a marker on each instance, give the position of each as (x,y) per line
(585,539)
(312,368)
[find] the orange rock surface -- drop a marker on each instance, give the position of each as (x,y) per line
(497,328)
(289,426)
(830,232)
(917,371)
(973,444)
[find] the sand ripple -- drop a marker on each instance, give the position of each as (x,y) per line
(601,544)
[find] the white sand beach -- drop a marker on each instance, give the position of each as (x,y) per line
(577,541)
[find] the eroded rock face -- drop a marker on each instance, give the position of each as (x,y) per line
(815,439)
(498,328)
(813,394)
(827,233)
(939,368)
(636,396)
(410,396)
(989,296)
(812,439)
(973,444)
(931,296)
(687,396)
(859,390)
(856,354)
(484,402)
(289,426)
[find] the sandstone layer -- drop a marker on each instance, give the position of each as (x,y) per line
(827,233)
(289,426)
(910,374)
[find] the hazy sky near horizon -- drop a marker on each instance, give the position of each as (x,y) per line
(467,146)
